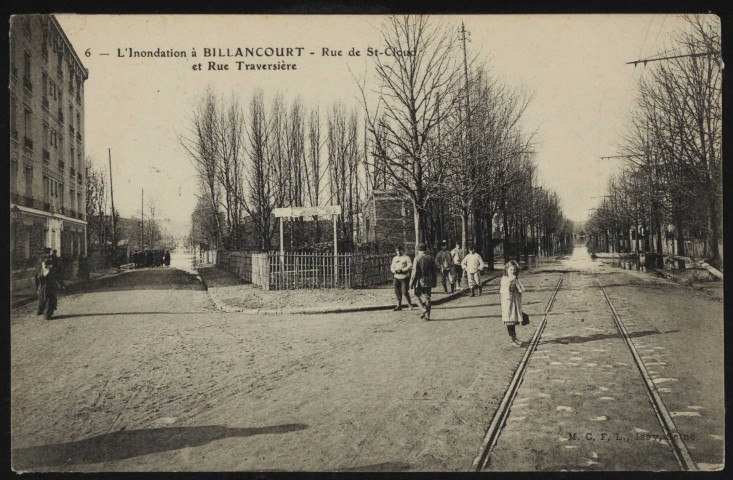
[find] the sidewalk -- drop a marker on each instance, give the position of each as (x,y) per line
(25,296)
(232,295)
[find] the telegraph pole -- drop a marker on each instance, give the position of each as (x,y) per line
(142,219)
(112,198)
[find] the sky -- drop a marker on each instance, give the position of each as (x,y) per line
(137,108)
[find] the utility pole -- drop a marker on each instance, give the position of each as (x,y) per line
(112,198)
(463,38)
(142,219)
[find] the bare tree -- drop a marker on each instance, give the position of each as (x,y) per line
(406,116)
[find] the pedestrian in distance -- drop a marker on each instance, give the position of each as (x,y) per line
(167,258)
(424,278)
(457,254)
(84,268)
(445,263)
(473,264)
(58,266)
(401,268)
(47,288)
(511,300)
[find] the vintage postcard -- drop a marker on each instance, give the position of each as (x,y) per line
(341,243)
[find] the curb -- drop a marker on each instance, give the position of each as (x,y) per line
(316,310)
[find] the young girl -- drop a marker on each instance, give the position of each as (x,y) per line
(511,300)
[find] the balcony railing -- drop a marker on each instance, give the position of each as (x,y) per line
(28,143)
(62,165)
(46,155)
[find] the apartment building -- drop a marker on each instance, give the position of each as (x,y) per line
(47,183)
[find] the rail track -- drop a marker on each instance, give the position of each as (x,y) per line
(499,420)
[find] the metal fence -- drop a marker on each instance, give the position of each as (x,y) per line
(307,270)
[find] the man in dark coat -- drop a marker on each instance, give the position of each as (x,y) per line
(424,278)
(167,258)
(445,264)
(47,288)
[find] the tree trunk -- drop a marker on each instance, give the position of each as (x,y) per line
(489,242)
(714,229)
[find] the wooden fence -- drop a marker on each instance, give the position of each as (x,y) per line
(307,270)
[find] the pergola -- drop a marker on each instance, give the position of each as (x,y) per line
(320,211)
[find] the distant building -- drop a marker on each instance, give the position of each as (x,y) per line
(47,183)
(388,221)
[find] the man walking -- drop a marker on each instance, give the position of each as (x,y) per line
(424,278)
(457,254)
(473,264)
(401,267)
(445,263)
(47,288)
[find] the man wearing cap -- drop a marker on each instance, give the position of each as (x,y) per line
(424,278)
(457,255)
(445,263)
(401,267)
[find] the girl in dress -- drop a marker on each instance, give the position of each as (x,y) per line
(511,300)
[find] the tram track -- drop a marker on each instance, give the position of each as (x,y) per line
(499,420)
(663,416)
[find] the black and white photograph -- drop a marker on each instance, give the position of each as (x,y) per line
(366,243)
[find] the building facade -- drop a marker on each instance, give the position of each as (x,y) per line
(388,221)
(47,182)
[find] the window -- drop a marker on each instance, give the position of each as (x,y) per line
(27,124)
(27,120)
(61,194)
(46,189)
(46,138)
(13,117)
(60,64)
(44,86)
(13,175)
(28,181)
(27,70)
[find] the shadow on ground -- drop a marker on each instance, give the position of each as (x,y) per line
(161,278)
(602,336)
(78,315)
(127,444)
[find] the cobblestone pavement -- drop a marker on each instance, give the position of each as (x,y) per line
(582,404)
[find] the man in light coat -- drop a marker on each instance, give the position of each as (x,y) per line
(401,268)
(473,264)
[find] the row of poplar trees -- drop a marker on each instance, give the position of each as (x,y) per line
(434,127)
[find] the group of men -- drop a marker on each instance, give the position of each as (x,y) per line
(151,258)
(421,274)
